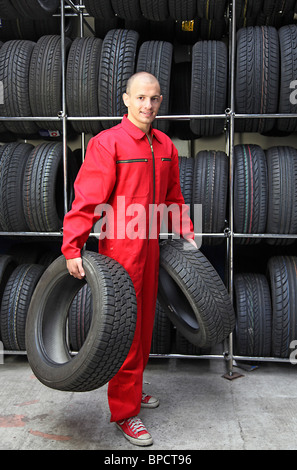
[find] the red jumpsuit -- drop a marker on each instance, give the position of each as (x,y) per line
(122,161)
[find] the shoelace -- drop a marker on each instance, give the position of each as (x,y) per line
(136,424)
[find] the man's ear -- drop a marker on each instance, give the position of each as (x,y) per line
(126,99)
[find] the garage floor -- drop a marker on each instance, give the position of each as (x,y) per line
(199,409)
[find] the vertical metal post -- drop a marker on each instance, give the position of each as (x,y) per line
(63,114)
(231,175)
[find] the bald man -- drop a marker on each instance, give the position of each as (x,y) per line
(130,165)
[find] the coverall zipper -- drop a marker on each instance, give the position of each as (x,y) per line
(133,160)
(154,184)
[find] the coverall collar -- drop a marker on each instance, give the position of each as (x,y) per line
(134,131)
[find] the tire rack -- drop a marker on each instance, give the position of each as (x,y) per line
(229,235)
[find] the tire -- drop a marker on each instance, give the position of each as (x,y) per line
(209,86)
(250,191)
(8,11)
(283,285)
(155,57)
(127,9)
(111,330)
(253,315)
(117,64)
(180,100)
(186,172)
(15,59)
(15,304)
(162,332)
(210,187)
(36,9)
(257,77)
(12,168)
(7,266)
(288,74)
(211,9)
(45,80)
(155,10)
(182,11)
(282,193)
(43,196)
(102,9)
(193,295)
(82,76)
(80,317)
(183,346)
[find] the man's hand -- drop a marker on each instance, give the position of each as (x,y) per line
(75,268)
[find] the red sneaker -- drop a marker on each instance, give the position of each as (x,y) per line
(135,431)
(147,401)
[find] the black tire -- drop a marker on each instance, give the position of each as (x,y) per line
(253,315)
(15,59)
(82,75)
(127,9)
(288,74)
(102,9)
(210,187)
(111,331)
(36,9)
(183,346)
(213,29)
(209,86)
(186,172)
(12,167)
(117,64)
(282,193)
(8,11)
(43,196)
(182,11)
(15,304)
(211,9)
(155,10)
(283,285)
(7,266)
(80,317)
(193,295)
(250,191)
(257,77)
(45,80)
(162,332)
(155,57)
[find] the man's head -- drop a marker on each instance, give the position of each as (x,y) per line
(143,99)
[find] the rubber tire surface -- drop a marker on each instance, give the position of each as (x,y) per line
(250,191)
(283,286)
(155,57)
(282,193)
(209,86)
(257,77)
(117,64)
(253,315)
(111,331)
(193,295)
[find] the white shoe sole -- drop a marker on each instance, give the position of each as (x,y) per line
(138,442)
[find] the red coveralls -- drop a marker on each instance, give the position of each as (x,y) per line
(121,161)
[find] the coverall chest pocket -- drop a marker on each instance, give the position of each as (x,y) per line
(133,177)
(164,164)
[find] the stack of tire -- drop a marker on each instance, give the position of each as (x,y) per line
(265,78)
(31,186)
(265,193)
(266,310)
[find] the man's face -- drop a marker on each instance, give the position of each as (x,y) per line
(143,102)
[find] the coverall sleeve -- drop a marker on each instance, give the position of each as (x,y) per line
(93,185)
(174,196)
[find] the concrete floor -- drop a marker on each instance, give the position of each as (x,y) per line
(198,409)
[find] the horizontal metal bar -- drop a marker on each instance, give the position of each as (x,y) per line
(188,356)
(261,359)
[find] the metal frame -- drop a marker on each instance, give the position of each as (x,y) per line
(68,8)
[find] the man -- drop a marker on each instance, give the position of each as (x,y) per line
(134,162)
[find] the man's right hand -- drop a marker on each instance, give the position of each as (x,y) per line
(75,268)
